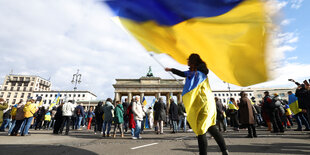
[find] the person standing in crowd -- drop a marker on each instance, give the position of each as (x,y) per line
(6,119)
(67,112)
(233,112)
(74,118)
(303,95)
(173,111)
(288,123)
(118,118)
(13,115)
(182,116)
(132,123)
(47,120)
(220,115)
(53,113)
(298,114)
(159,115)
(197,76)
(39,118)
(267,101)
(275,113)
(29,110)
(3,106)
(98,117)
(246,114)
(80,115)
(108,117)
(150,116)
(19,117)
(126,117)
(90,115)
(138,112)
(58,119)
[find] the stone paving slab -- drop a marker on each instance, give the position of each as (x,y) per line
(86,142)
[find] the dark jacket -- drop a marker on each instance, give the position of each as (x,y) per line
(303,96)
(99,111)
(80,111)
(181,109)
(246,115)
(159,111)
(7,114)
(173,111)
(58,114)
(219,110)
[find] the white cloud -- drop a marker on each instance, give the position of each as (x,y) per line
(296,4)
(286,22)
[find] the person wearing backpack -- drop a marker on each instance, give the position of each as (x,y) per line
(275,113)
(108,117)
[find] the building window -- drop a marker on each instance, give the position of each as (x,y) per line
(42,95)
(5,88)
(29,94)
(12,88)
(30,89)
(83,95)
(46,95)
(250,94)
(214,94)
(51,95)
(18,88)
(219,94)
(235,94)
(15,96)
(74,95)
(60,95)
(20,83)
(259,95)
(224,100)
(22,95)
(65,95)
(31,84)
(69,95)
(14,101)
(50,101)
(79,95)
(55,95)
(26,84)
(37,95)
(282,94)
(2,93)
(9,95)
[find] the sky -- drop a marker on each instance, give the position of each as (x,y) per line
(53,39)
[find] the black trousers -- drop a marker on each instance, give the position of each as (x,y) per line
(276,121)
(17,126)
(66,120)
(203,142)
(57,125)
(251,130)
(234,119)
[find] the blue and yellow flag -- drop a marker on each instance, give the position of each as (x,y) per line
(199,102)
(229,35)
(55,102)
(293,104)
(144,101)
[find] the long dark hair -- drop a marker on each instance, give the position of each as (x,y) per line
(196,63)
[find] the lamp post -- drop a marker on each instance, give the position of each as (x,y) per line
(76,79)
(228,86)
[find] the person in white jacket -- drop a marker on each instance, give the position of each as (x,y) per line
(138,113)
(67,112)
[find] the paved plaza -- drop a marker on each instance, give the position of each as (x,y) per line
(86,142)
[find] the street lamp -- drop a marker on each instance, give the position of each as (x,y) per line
(228,86)
(76,79)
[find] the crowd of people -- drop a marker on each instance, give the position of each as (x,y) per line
(271,111)
(126,117)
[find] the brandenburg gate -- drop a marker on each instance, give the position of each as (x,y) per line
(148,86)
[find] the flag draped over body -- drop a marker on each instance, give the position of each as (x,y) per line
(229,35)
(199,102)
(293,104)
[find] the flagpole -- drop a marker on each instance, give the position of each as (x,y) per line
(164,68)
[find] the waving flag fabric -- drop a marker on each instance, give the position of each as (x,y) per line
(199,102)
(144,101)
(229,35)
(293,104)
(55,102)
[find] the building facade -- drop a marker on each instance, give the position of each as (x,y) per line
(49,96)
(21,87)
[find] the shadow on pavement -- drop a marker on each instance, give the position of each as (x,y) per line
(275,148)
(41,149)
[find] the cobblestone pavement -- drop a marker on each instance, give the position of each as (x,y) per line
(86,142)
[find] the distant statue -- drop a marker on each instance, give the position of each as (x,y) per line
(149,73)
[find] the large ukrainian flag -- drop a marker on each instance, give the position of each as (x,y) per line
(199,102)
(293,104)
(230,35)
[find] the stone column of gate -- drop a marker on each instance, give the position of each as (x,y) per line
(141,97)
(157,95)
(117,97)
(179,97)
(129,97)
(168,101)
